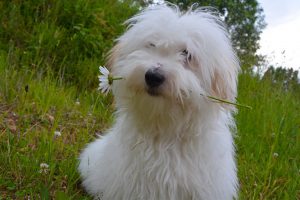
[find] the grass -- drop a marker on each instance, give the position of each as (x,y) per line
(66,37)
(50,51)
(267,140)
(28,121)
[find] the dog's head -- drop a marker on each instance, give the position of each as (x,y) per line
(170,59)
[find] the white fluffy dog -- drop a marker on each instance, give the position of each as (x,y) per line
(169,141)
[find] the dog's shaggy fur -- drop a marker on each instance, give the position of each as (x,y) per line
(169,142)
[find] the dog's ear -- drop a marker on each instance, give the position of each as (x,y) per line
(112,55)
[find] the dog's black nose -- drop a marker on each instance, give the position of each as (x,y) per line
(154,77)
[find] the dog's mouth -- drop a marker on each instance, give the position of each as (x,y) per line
(153,92)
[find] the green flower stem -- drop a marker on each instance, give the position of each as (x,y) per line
(111,79)
(227,102)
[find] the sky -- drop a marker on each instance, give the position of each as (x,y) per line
(280,40)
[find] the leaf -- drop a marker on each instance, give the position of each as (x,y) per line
(61,195)
(44,193)
(11,186)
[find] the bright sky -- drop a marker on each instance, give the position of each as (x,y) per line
(280,40)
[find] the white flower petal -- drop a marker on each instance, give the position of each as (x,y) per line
(104,88)
(103,70)
(103,79)
(57,133)
(44,165)
(106,91)
(101,86)
(102,76)
(104,82)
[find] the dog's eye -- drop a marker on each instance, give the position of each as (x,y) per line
(151,45)
(187,55)
(185,52)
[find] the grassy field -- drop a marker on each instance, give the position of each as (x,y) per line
(50,107)
(267,140)
(29,122)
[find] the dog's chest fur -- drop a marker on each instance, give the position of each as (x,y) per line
(130,163)
(164,167)
(161,171)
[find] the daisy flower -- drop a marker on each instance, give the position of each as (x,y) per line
(106,80)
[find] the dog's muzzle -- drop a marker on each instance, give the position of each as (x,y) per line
(154,77)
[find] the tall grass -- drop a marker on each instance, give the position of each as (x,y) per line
(31,110)
(66,37)
(49,55)
(268,140)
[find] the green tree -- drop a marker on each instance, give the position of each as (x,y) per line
(283,78)
(245,21)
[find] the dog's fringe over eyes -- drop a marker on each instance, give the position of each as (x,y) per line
(106,80)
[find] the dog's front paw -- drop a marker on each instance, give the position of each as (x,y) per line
(99,196)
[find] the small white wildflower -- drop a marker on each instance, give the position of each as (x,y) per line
(44,165)
(44,168)
(57,134)
(275,155)
(77,102)
(106,80)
